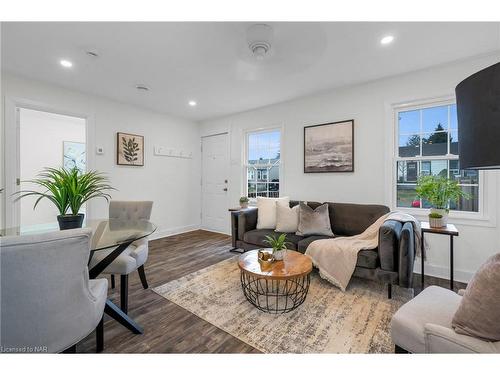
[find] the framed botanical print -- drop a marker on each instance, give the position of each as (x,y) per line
(130,149)
(329,147)
(74,156)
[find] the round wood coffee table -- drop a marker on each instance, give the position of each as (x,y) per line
(279,288)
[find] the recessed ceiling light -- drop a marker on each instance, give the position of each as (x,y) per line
(142,87)
(387,39)
(66,63)
(192,103)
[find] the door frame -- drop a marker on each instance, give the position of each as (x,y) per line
(11,148)
(228,134)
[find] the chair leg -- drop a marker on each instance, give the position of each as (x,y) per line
(142,276)
(124,293)
(70,350)
(389,291)
(99,336)
(400,350)
(112,281)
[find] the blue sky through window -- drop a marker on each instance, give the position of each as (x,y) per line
(265,145)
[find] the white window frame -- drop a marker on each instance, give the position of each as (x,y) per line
(486,185)
(245,164)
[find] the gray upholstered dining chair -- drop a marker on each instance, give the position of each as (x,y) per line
(134,257)
(48,303)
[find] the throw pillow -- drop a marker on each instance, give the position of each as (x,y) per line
(314,222)
(478,314)
(287,219)
(266,216)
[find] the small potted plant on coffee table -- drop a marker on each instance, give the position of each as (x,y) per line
(68,190)
(278,244)
(244,202)
(439,192)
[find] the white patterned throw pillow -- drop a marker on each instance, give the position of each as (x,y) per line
(266,217)
(287,219)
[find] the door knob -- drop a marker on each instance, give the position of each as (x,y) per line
(225,189)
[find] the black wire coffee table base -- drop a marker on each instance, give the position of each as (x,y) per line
(275,296)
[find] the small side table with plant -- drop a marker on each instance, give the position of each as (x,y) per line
(439,192)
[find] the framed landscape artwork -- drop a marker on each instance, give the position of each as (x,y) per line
(130,149)
(329,147)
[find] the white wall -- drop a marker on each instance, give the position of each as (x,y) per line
(172,183)
(41,145)
(370,106)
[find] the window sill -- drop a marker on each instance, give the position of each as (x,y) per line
(455,217)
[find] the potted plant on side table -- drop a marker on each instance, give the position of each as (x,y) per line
(278,244)
(244,202)
(68,190)
(439,192)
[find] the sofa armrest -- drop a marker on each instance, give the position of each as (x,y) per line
(397,250)
(439,339)
(406,255)
(388,247)
(247,221)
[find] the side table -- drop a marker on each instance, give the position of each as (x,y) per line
(235,212)
(451,231)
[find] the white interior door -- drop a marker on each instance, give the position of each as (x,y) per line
(215,172)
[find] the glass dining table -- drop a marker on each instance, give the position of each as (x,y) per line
(116,234)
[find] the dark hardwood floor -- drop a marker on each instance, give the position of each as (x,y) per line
(169,328)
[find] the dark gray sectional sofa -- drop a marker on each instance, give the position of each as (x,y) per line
(391,263)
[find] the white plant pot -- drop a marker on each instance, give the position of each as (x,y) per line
(279,255)
(438,222)
(244,204)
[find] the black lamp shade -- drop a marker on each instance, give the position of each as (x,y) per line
(478,111)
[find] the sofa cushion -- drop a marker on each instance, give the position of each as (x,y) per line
(257,237)
(349,219)
(314,221)
(479,312)
(303,244)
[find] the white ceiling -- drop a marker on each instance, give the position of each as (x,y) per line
(210,62)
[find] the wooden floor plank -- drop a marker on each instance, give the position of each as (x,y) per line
(169,328)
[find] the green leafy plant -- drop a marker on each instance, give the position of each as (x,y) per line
(439,191)
(277,243)
(68,189)
(130,149)
(435,215)
(244,200)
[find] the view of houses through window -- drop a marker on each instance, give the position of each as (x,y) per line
(263,163)
(428,145)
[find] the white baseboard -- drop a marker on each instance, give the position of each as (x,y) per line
(444,272)
(215,231)
(173,231)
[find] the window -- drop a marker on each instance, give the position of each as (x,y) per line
(427,144)
(263,163)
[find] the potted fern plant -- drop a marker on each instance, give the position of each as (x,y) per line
(278,245)
(68,190)
(439,192)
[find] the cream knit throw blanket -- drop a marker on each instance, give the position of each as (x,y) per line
(336,258)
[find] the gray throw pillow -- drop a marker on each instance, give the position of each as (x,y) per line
(314,222)
(478,314)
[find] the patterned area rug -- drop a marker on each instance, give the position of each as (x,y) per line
(329,321)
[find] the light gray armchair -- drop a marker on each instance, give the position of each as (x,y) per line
(134,257)
(423,325)
(48,303)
